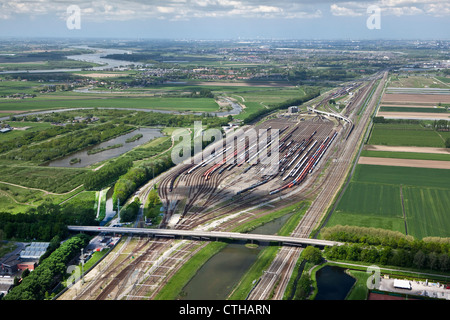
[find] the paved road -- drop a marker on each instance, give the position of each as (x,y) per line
(207,235)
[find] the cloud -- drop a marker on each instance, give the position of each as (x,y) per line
(342,11)
(393,7)
(123,10)
(163,9)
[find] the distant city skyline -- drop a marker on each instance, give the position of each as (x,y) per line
(227,19)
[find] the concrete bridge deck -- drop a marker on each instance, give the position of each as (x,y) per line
(207,235)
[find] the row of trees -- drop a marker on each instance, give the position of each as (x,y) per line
(137,176)
(387,247)
(173,120)
(46,221)
(411,258)
(107,174)
(313,93)
(383,237)
(38,284)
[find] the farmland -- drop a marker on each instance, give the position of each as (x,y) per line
(405,135)
(374,199)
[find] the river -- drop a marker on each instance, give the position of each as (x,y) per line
(87,160)
(96,57)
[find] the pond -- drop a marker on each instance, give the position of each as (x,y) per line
(333,283)
(86,159)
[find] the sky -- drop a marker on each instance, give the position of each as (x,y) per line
(227,19)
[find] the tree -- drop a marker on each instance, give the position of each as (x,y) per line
(419,259)
(303,287)
(312,254)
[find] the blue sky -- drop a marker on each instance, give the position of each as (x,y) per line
(227,19)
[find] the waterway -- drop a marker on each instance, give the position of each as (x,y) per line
(333,283)
(87,160)
(217,277)
(95,57)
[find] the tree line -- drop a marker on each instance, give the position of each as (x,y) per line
(46,221)
(313,93)
(386,247)
(137,176)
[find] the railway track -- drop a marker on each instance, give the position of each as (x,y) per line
(142,278)
(273,283)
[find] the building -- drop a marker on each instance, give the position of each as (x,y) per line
(9,266)
(34,251)
(293,109)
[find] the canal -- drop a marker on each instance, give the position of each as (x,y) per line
(216,279)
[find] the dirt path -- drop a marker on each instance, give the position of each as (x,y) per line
(405,162)
(45,191)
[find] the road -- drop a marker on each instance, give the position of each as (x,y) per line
(206,235)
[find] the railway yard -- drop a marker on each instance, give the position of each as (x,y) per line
(309,158)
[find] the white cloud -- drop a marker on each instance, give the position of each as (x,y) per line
(343,11)
(393,7)
(104,10)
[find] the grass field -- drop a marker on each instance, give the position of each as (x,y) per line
(413,109)
(365,198)
(405,135)
(415,82)
(420,177)
(57,180)
(427,211)
(405,155)
(91,101)
(373,199)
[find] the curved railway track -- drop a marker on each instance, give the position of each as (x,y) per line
(206,202)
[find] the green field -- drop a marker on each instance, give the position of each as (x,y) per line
(405,155)
(373,199)
(409,109)
(92,101)
(406,176)
(427,211)
(405,135)
(365,198)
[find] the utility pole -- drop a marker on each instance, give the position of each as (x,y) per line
(82,266)
(118,209)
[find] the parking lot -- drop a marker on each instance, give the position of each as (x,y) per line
(419,288)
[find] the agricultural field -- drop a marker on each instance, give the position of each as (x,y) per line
(416,81)
(110,101)
(410,200)
(406,155)
(406,135)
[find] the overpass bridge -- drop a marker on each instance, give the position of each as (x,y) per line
(206,235)
(335,115)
